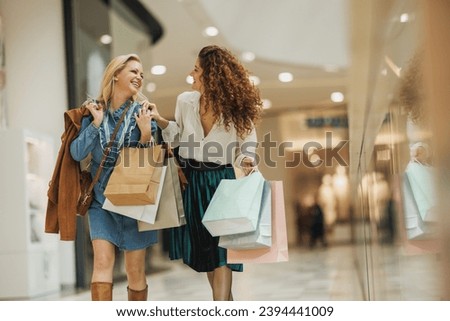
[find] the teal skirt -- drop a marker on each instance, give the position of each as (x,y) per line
(192,242)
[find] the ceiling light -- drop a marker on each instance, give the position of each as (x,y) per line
(255,80)
(337,97)
(285,77)
(106,39)
(266,103)
(248,56)
(210,31)
(190,80)
(151,87)
(158,70)
(404,17)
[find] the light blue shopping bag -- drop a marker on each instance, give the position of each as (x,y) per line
(262,236)
(234,207)
(422,181)
(416,228)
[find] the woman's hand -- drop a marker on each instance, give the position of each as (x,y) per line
(96,112)
(183,180)
(143,120)
(154,112)
(162,122)
(148,105)
(248,165)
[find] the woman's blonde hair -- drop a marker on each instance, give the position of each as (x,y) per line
(115,66)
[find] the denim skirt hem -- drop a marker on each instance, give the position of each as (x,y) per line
(120,230)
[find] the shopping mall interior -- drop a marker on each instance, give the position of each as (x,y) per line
(355,97)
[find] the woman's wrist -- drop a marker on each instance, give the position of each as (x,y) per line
(145,139)
(145,144)
(96,126)
(247,161)
(162,122)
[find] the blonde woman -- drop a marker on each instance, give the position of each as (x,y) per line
(122,81)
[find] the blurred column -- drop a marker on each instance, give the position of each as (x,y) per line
(437,80)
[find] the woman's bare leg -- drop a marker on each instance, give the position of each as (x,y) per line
(135,269)
(221,280)
(104,256)
(102,274)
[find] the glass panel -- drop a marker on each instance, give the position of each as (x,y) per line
(399,236)
(100,30)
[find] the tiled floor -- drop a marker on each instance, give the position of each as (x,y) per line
(318,274)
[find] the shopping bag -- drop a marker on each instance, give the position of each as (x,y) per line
(278,252)
(170,212)
(262,236)
(136,176)
(422,183)
(146,213)
(234,207)
(416,228)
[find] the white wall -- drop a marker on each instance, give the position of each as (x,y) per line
(36,78)
(35,64)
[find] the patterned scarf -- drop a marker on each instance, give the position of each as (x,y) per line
(123,136)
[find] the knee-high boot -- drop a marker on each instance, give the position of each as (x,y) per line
(101,291)
(137,295)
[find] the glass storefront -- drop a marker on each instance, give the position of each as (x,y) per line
(397,218)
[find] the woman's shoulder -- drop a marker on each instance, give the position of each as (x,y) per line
(76,115)
(189,97)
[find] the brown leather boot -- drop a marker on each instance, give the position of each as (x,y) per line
(137,295)
(101,291)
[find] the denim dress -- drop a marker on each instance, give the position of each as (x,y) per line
(118,229)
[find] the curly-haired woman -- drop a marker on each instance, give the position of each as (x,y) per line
(214,129)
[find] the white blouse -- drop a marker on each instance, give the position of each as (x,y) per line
(219,146)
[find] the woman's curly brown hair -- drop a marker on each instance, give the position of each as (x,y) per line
(411,91)
(228,89)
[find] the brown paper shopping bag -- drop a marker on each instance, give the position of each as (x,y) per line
(136,176)
(278,252)
(146,213)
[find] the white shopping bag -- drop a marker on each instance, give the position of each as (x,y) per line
(170,211)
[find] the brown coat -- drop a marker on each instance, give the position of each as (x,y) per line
(64,187)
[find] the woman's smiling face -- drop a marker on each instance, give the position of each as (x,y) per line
(130,78)
(196,74)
